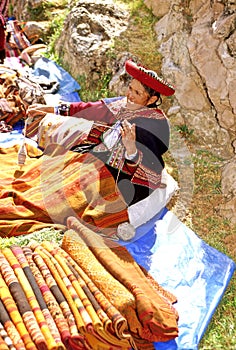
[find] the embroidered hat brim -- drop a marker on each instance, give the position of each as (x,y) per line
(149,78)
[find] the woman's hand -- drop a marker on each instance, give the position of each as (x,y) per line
(39,109)
(128,134)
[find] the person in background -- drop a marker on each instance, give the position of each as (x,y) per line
(2,39)
(129,134)
(4,4)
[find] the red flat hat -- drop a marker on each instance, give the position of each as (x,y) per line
(149,78)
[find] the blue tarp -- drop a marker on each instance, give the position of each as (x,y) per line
(196,273)
(69,87)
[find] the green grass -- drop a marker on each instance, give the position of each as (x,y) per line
(213,229)
(139,39)
(46,234)
(221,331)
(101,90)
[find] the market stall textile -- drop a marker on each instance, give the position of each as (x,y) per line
(93,315)
(150,315)
(48,189)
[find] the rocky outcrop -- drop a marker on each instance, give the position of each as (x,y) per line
(25,10)
(87,36)
(228,185)
(198,59)
(197,42)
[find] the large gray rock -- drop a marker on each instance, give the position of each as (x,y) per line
(87,36)
(196,57)
(199,55)
(23,10)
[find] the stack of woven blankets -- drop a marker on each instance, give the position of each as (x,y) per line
(87,293)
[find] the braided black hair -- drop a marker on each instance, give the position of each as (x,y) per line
(152,93)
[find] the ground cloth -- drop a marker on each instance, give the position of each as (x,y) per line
(184,264)
(69,87)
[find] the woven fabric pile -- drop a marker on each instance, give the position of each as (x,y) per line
(66,297)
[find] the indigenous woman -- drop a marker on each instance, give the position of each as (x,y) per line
(125,140)
(130,135)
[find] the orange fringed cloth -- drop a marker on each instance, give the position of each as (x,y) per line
(146,306)
(87,294)
(41,277)
(51,187)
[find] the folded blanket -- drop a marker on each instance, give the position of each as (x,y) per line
(145,305)
(48,189)
(50,305)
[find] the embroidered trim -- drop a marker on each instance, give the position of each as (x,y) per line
(96,132)
(144,112)
(118,108)
(116,158)
(146,177)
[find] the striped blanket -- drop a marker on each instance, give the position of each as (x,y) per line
(84,295)
(146,306)
(51,187)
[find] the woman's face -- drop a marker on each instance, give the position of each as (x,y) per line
(136,94)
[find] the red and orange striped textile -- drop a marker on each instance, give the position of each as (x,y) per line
(87,294)
(6,342)
(148,308)
(27,316)
(90,327)
(38,305)
(10,304)
(48,291)
(10,328)
(36,277)
(51,187)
